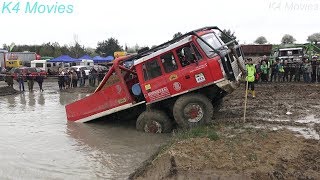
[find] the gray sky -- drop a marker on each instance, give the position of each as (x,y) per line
(148,22)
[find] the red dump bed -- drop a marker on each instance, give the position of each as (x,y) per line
(106,101)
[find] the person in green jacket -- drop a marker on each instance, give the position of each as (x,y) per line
(251,71)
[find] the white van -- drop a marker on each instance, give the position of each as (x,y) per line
(41,64)
(44,65)
(86,62)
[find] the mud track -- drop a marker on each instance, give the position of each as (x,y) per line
(280,139)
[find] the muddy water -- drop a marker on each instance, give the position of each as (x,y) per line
(36,141)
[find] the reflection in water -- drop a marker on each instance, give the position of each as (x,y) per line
(117,149)
(32,100)
(36,142)
(41,99)
(62,99)
(23,101)
(11,102)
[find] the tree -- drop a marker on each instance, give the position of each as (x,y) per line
(108,47)
(228,32)
(315,37)
(77,50)
(261,40)
(178,34)
(287,39)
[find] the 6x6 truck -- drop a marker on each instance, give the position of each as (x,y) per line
(181,81)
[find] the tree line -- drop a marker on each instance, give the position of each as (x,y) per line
(289,39)
(109,46)
(76,50)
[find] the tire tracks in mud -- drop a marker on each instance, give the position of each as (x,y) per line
(278,105)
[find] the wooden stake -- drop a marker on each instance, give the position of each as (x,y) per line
(245,102)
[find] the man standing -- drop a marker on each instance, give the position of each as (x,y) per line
(286,69)
(274,70)
(264,71)
(30,81)
(314,65)
(20,80)
(251,71)
(39,79)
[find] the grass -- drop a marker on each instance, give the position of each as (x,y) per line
(199,132)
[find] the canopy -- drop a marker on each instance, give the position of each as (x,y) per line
(64,58)
(87,57)
(99,59)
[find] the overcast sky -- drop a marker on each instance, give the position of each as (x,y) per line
(148,22)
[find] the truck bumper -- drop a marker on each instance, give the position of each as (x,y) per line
(230,86)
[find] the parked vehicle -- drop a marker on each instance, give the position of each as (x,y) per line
(291,55)
(79,68)
(13,63)
(182,81)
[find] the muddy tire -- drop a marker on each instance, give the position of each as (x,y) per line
(154,122)
(192,110)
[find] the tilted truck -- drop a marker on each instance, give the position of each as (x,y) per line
(181,81)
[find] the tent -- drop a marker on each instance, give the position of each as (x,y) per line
(64,59)
(99,59)
(87,57)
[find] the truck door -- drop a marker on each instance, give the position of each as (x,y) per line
(194,68)
(154,85)
(173,75)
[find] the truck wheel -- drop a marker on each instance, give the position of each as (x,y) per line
(192,110)
(154,122)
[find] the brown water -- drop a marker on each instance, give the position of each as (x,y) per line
(37,142)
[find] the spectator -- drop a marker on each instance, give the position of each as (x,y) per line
(264,71)
(274,71)
(314,65)
(292,69)
(75,78)
(39,79)
(30,80)
(9,79)
(280,72)
(286,69)
(20,80)
(251,70)
(92,77)
(61,80)
(81,77)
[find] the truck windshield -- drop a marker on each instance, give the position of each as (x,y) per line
(213,40)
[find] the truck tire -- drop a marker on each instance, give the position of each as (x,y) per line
(154,122)
(192,110)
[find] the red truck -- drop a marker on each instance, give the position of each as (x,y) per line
(181,81)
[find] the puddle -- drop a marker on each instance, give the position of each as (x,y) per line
(309,119)
(307,132)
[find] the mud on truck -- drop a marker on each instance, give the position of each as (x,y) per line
(182,82)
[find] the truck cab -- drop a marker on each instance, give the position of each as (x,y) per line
(179,82)
(291,55)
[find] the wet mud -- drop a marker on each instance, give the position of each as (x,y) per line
(7,90)
(279,140)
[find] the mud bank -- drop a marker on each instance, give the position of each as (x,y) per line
(7,90)
(238,154)
(279,140)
